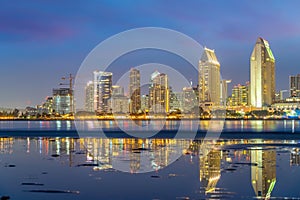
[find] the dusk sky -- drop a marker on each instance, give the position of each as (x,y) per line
(41,41)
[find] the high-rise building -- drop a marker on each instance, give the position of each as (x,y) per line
(239,96)
(224,91)
(262,74)
(295,86)
(134,91)
(175,102)
(102,91)
(145,103)
(89,97)
(62,101)
(189,99)
(159,93)
(209,77)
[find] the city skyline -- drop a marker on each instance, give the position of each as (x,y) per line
(53,43)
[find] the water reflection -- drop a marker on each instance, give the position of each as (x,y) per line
(131,154)
(210,170)
(263,172)
(256,160)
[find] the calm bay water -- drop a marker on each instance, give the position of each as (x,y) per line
(83,168)
(289,126)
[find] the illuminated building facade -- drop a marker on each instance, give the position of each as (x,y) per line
(102,91)
(62,101)
(119,103)
(224,91)
(295,86)
(189,99)
(175,100)
(134,91)
(159,93)
(46,107)
(89,97)
(262,75)
(117,90)
(145,103)
(209,77)
(239,96)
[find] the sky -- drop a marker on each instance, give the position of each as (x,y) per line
(42,41)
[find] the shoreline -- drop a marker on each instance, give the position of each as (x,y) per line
(157,119)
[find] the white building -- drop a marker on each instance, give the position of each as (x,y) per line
(262,75)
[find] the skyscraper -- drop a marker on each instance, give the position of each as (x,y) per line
(209,77)
(89,96)
(175,102)
(102,90)
(295,86)
(189,99)
(224,91)
(159,93)
(145,103)
(134,91)
(262,74)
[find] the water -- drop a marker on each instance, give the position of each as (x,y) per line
(83,168)
(290,126)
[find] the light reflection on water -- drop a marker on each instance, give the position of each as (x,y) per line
(229,126)
(233,169)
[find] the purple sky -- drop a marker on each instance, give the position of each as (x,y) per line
(42,41)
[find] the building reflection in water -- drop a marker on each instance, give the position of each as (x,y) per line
(295,157)
(139,155)
(131,154)
(263,171)
(210,169)
(6,145)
